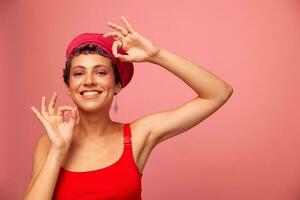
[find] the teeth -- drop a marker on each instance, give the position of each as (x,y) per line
(90,93)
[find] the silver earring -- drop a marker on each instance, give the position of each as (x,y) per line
(116,108)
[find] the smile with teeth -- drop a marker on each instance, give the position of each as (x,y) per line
(90,93)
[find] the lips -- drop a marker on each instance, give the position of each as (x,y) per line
(98,91)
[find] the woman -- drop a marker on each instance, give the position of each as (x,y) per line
(98,158)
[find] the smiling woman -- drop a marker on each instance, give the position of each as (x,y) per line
(92,72)
(88,49)
(97,158)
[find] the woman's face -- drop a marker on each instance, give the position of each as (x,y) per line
(92,72)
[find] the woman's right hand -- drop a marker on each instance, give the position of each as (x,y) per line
(60,132)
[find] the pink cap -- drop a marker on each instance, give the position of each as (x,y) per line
(125,69)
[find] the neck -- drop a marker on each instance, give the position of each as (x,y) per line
(93,125)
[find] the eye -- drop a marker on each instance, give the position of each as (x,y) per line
(77,74)
(102,73)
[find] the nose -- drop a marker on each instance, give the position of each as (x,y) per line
(89,80)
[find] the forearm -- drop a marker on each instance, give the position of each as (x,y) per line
(204,83)
(44,184)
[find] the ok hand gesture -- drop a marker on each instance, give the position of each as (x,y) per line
(60,132)
(138,48)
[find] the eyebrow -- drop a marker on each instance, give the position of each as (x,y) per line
(95,66)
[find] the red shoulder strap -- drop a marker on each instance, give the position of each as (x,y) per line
(127,133)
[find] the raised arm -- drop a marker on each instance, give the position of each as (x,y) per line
(212,91)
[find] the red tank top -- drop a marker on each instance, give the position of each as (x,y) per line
(118,181)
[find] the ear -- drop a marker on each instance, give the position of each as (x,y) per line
(118,88)
(67,89)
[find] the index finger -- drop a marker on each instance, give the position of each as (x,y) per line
(51,105)
(117,27)
(115,46)
(129,27)
(62,109)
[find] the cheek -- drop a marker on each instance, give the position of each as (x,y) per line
(74,83)
(106,81)
(107,85)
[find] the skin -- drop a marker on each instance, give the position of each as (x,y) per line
(94,114)
(94,127)
(94,120)
(94,124)
(96,72)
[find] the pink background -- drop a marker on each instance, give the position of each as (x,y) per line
(249,149)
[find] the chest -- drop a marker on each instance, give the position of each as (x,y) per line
(95,155)
(87,157)
(113,181)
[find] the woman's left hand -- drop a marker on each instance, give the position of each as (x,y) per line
(138,48)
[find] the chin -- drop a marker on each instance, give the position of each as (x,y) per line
(92,107)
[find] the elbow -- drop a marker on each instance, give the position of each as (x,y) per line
(230,90)
(222,94)
(227,93)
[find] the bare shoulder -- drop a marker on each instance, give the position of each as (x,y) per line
(43,143)
(41,151)
(40,154)
(44,139)
(140,129)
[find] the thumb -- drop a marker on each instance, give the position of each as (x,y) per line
(74,117)
(123,58)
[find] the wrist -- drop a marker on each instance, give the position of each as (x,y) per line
(59,152)
(56,156)
(156,57)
